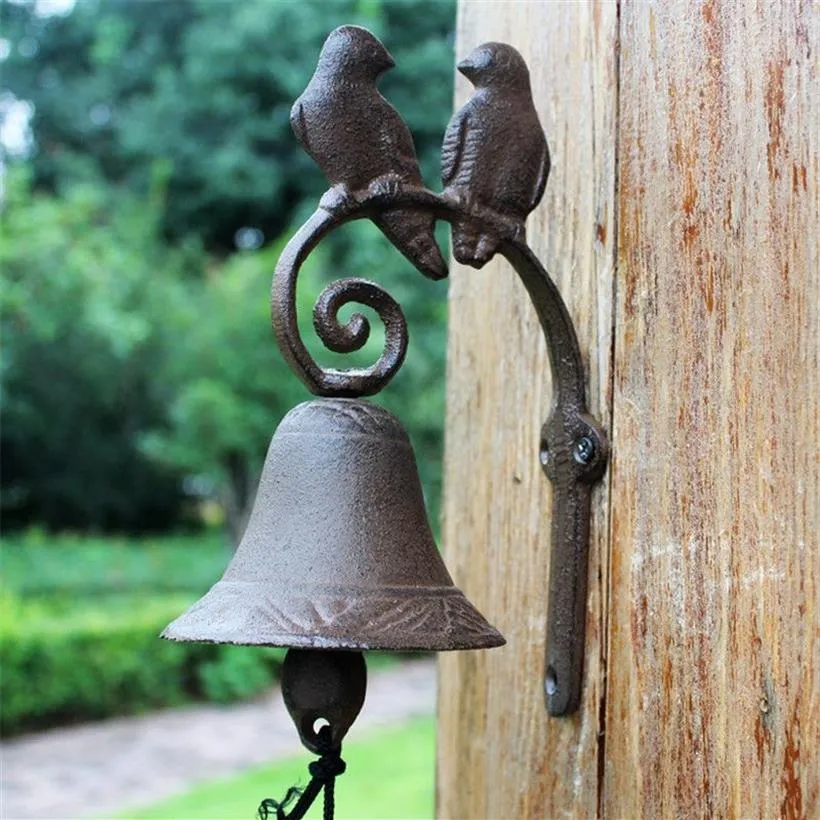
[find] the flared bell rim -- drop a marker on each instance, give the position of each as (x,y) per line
(403,619)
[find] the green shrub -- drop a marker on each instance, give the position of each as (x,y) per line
(94,664)
(71,568)
(237,672)
(79,624)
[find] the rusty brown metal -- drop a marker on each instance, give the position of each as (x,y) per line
(338,552)
(495,164)
(494,160)
(323,686)
(360,141)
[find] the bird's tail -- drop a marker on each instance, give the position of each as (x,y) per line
(471,246)
(412,233)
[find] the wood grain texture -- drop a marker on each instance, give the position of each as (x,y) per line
(701,694)
(499,754)
(712,703)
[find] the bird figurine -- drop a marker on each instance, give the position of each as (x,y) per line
(360,141)
(494,160)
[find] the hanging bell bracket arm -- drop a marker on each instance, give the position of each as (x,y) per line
(574,448)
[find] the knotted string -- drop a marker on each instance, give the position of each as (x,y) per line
(323,772)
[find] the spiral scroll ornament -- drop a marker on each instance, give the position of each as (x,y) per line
(339,337)
(352,335)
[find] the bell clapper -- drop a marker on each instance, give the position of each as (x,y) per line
(323,686)
(324,691)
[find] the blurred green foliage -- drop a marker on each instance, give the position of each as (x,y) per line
(139,370)
(229,385)
(59,573)
(79,624)
(205,89)
(87,665)
(85,281)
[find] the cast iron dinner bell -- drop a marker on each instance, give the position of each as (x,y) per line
(338,552)
(338,556)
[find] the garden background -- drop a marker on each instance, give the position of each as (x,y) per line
(149,181)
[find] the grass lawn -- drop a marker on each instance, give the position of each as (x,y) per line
(390,776)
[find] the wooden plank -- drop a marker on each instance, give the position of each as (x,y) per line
(499,754)
(713,693)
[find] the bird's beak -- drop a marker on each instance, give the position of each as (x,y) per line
(467,68)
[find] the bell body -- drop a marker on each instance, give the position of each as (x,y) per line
(338,552)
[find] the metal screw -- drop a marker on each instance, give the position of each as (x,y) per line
(584,450)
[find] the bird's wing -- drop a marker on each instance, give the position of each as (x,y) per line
(398,141)
(297,123)
(543,173)
(453,146)
(401,149)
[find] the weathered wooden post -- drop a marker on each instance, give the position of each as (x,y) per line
(681,224)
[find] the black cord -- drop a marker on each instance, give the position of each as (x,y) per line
(324,772)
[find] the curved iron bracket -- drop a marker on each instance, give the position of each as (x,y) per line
(574,448)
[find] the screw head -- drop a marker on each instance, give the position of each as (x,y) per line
(584,450)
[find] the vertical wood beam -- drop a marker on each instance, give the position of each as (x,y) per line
(713,692)
(701,694)
(499,754)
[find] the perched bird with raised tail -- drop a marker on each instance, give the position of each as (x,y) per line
(360,141)
(495,158)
